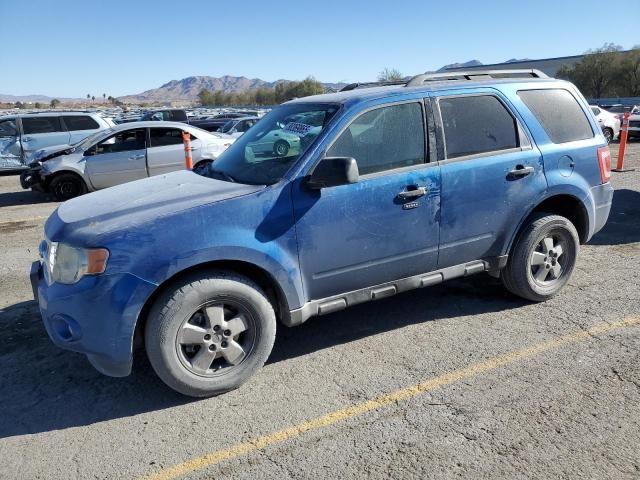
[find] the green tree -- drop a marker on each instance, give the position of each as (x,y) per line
(19,105)
(37,105)
(88,96)
(596,75)
(104,96)
(389,75)
(54,103)
(93,98)
(629,74)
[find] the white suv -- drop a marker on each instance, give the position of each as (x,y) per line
(609,122)
(23,134)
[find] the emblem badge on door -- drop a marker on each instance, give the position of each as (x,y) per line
(410,205)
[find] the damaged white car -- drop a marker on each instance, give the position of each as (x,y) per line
(117,155)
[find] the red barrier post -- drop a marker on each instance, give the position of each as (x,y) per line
(624,129)
(188,161)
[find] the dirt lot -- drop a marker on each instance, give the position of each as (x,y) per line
(455,381)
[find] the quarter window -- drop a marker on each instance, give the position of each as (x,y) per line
(477,124)
(80,122)
(161,137)
(31,125)
(384,139)
(559,114)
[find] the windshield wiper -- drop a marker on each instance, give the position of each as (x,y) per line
(225,176)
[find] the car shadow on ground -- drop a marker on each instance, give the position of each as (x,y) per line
(623,225)
(46,388)
(25,197)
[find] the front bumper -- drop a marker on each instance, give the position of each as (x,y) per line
(96,316)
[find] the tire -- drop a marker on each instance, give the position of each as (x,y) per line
(281,148)
(608,134)
(65,186)
(523,275)
(187,351)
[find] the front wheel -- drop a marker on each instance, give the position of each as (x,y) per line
(65,186)
(543,258)
(210,333)
(281,148)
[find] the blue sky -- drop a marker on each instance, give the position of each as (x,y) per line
(69,48)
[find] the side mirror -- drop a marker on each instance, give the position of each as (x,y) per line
(332,172)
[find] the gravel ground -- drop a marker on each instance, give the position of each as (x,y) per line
(571,411)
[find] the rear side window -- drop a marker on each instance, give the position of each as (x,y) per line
(477,124)
(31,125)
(559,113)
(384,139)
(80,122)
(161,137)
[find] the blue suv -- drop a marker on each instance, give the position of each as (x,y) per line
(390,188)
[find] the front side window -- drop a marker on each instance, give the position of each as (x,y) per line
(477,124)
(8,128)
(122,142)
(80,122)
(384,139)
(267,151)
(161,137)
(559,114)
(32,125)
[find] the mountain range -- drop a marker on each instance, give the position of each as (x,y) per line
(188,88)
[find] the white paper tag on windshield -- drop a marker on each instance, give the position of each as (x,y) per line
(297,128)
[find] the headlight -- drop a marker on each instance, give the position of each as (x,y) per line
(66,264)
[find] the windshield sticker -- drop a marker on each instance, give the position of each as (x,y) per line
(297,128)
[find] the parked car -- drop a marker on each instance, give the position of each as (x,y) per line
(117,155)
(169,115)
(238,126)
(216,122)
(609,122)
(23,134)
(634,123)
(396,188)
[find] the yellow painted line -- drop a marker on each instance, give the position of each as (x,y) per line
(336,416)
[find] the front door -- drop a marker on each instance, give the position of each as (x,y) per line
(118,159)
(363,234)
(42,131)
(491,175)
(10,147)
(166,150)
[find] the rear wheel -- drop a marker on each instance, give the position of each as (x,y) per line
(210,333)
(67,185)
(542,259)
(281,148)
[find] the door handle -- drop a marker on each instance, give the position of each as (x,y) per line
(26,139)
(136,157)
(521,171)
(414,193)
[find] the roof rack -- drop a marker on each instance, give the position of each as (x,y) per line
(353,86)
(450,76)
(474,75)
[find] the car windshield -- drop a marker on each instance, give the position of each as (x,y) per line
(88,141)
(227,126)
(268,149)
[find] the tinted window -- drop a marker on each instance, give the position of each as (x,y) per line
(80,122)
(122,142)
(32,125)
(384,139)
(477,124)
(161,137)
(178,115)
(559,114)
(8,128)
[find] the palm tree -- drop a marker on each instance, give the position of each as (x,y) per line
(88,96)
(93,98)
(104,96)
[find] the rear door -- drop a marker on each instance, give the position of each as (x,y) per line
(166,150)
(79,126)
(118,159)
(42,131)
(491,174)
(10,146)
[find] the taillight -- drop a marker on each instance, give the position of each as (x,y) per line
(604,161)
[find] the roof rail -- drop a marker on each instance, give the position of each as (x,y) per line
(353,86)
(474,75)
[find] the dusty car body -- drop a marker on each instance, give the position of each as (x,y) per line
(118,155)
(22,135)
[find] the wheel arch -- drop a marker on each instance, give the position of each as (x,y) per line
(259,275)
(564,204)
(50,178)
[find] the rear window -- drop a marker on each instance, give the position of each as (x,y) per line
(559,113)
(31,125)
(80,122)
(477,124)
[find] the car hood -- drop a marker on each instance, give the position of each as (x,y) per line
(138,202)
(47,153)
